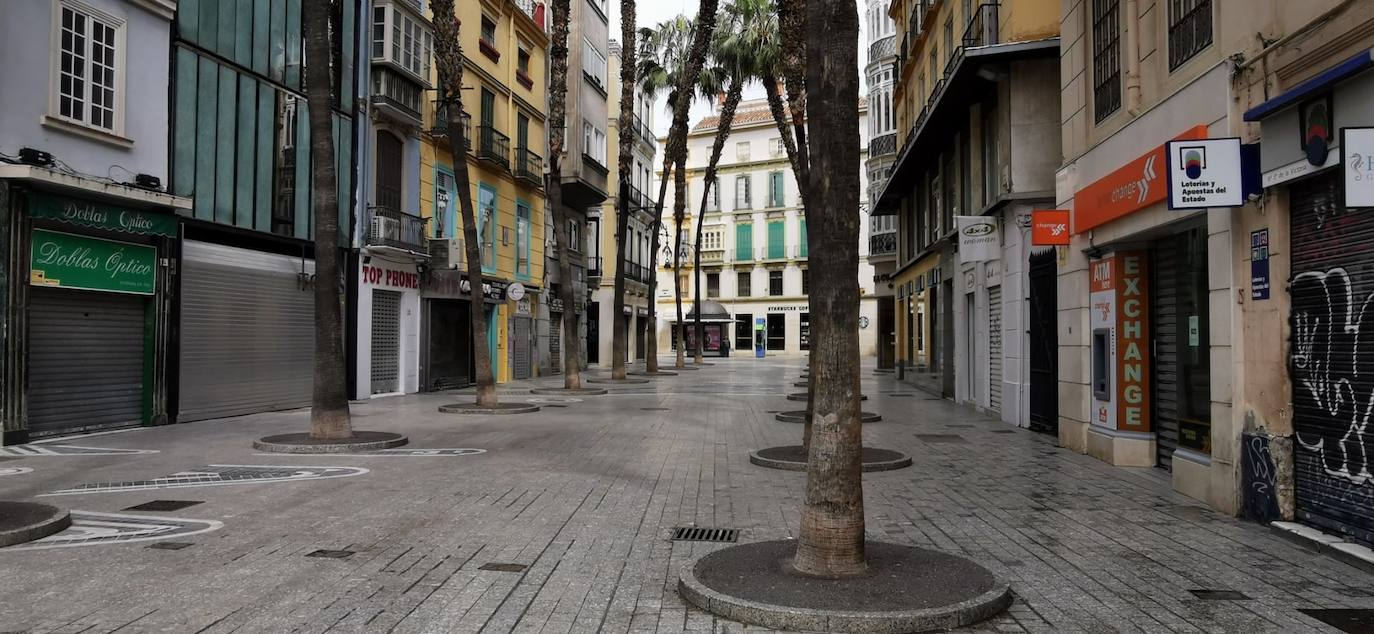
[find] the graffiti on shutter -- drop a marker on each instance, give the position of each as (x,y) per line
(995,348)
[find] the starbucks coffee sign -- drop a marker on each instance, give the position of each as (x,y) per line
(65,260)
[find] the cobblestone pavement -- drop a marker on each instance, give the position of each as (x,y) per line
(585,496)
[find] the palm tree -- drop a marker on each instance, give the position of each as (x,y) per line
(448,60)
(831,540)
(620,338)
(329,416)
(553,187)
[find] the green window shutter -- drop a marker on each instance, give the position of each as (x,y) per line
(744,242)
(803,238)
(777,240)
(775,194)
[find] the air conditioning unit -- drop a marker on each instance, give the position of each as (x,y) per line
(446,253)
(384,228)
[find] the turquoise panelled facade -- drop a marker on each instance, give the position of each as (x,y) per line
(241,142)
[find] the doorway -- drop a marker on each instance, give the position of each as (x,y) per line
(777,331)
(1044,344)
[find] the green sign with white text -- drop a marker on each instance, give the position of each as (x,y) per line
(101,216)
(65,260)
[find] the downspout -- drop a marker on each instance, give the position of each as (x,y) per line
(1133,57)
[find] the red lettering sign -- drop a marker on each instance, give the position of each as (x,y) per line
(379,276)
(1132,333)
(1132,187)
(1050,227)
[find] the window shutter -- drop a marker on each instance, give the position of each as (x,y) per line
(803,238)
(744,242)
(777,240)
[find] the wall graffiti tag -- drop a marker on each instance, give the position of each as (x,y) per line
(1259,496)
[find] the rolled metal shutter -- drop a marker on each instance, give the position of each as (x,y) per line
(1164,316)
(1331,360)
(386,342)
(995,348)
(247,332)
(86,360)
(521,345)
(556,342)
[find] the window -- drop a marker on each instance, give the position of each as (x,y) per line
(593,142)
(88,62)
(744,199)
(744,331)
(379,32)
(775,147)
(806,281)
(713,284)
(744,242)
(593,64)
(743,284)
(488,30)
(775,283)
(522,61)
(711,239)
(805,328)
(486,225)
(801,240)
(1190,29)
(949,36)
(713,201)
(742,151)
(1106,59)
(776,189)
(777,331)
(574,235)
(522,239)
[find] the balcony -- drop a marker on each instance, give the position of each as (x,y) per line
(885,47)
(529,167)
(713,256)
(387,227)
(882,145)
(770,252)
(594,269)
(441,124)
(882,244)
(642,131)
(397,95)
(982,27)
(493,147)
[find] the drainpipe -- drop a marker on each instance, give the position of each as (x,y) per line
(1133,57)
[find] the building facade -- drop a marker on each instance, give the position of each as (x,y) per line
(584,175)
(754,246)
(602,261)
(90,236)
(505,98)
(880,72)
(976,102)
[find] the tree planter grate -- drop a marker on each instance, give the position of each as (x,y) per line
(164,505)
(1351,620)
(331,554)
(498,567)
(704,534)
(1220,595)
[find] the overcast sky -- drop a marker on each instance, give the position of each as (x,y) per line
(651,12)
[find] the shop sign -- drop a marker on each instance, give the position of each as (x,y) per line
(102,216)
(1315,128)
(992,273)
(1050,227)
(1357,149)
(1120,341)
(64,260)
(1132,187)
(783,309)
(1205,173)
(378,276)
(516,291)
(979,239)
(454,284)
(1259,264)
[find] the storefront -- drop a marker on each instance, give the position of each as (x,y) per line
(94,330)
(716,324)
(446,340)
(917,298)
(388,327)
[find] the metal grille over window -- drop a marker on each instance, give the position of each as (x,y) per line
(1106,58)
(1190,29)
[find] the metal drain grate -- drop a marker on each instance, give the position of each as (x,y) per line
(704,534)
(502,567)
(170,545)
(165,505)
(1220,595)
(654,409)
(1352,620)
(331,554)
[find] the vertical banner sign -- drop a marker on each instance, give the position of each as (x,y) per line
(979,240)
(1357,155)
(1050,227)
(1132,343)
(1259,264)
(1205,173)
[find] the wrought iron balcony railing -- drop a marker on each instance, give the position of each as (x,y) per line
(389,227)
(882,145)
(529,166)
(441,124)
(882,244)
(493,146)
(982,26)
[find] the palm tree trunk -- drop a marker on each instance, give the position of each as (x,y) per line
(553,188)
(651,339)
(679,216)
(329,416)
(448,58)
(831,539)
(620,345)
(726,119)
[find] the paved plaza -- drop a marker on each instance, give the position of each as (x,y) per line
(562,521)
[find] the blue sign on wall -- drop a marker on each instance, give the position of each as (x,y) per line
(1259,264)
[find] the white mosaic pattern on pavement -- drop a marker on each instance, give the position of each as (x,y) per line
(218,475)
(92,529)
(9,471)
(395,453)
(25,451)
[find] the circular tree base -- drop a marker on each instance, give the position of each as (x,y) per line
(648,373)
(801,396)
(499,410)
(303,443)
(802,384)
(625,381)
(563,391)
(793,458)
(25,521)
(883,371)
(799,416)
(702,364)
(685,367)
(907,590)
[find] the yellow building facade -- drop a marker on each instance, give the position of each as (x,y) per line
(504,100)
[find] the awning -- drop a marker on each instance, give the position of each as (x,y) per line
(1314,85)
(711,312)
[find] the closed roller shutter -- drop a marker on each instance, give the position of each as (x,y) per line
(995,348)
(521,346)
(1332,358)
(386,342)
(556,343)
(86,360)
(1164,306)
(247,332)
